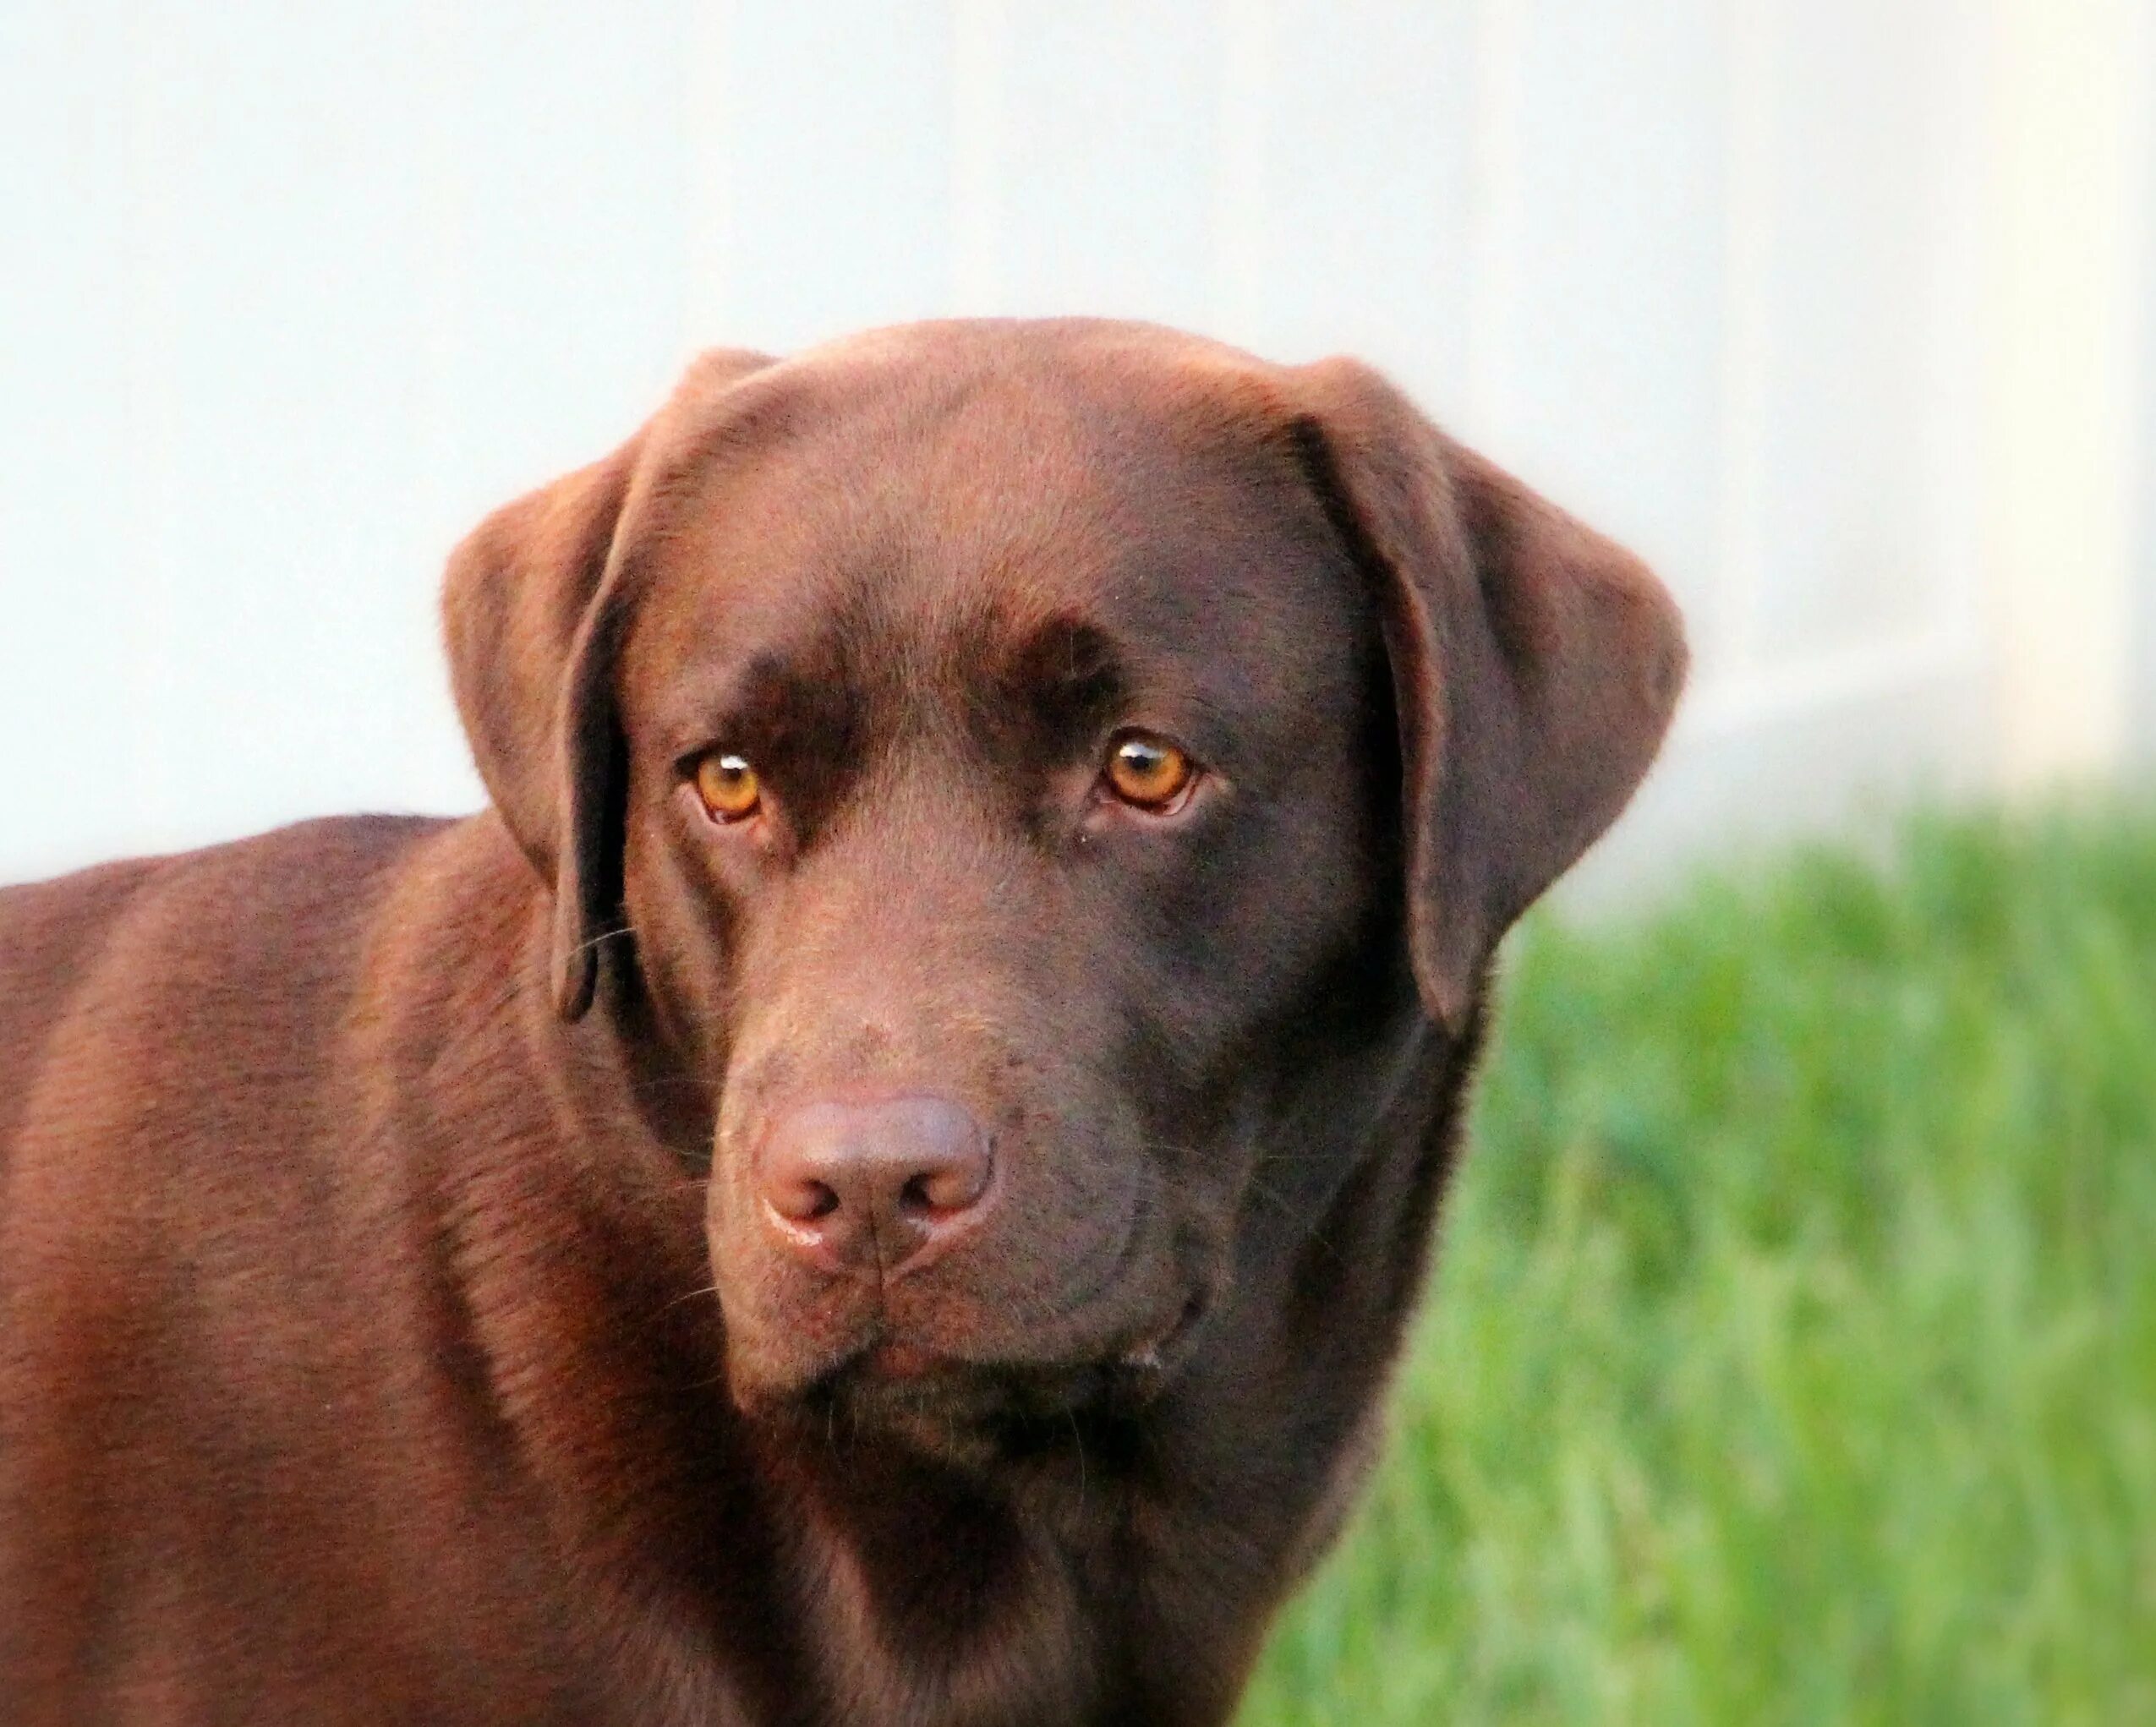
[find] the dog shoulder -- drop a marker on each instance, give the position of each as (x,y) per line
(128,988)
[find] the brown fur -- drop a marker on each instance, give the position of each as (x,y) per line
(389,1330)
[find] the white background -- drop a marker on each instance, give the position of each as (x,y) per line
(1831,307)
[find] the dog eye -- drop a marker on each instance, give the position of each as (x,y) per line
(728,785)
(1148,771)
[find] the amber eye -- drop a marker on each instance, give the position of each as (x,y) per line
(1148,771)
(728,785)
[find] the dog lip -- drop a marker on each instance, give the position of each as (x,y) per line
(896,1359)
(885,1360)
(885,1366)
(1156,1353)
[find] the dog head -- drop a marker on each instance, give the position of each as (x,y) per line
(1014,762)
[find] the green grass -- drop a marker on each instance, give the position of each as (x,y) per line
(1792,1352)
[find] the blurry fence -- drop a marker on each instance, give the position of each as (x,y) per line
(1829,308)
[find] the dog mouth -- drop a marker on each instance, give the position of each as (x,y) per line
(903,1387)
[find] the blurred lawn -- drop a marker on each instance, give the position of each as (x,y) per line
(1792,1356)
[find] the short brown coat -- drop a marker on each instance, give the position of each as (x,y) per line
(386,1331)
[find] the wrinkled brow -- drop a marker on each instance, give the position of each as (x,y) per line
(1046,697)
(801,721)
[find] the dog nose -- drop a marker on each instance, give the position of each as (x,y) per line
(889,1184)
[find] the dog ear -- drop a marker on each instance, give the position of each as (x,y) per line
(1535,666)
(530,611)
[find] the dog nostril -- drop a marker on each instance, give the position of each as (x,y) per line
(934,1191)
(801,1198)
(946,1187)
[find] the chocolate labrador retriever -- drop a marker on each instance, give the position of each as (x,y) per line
(881,1181)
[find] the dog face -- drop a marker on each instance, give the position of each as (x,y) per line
(1012,754)
(1068,808)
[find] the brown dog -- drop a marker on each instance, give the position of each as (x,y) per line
(881,1181)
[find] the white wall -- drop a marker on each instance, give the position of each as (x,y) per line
(1773,290)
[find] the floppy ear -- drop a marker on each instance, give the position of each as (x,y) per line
(529,613)
(1535,666)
